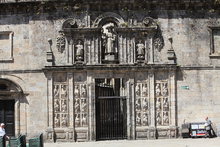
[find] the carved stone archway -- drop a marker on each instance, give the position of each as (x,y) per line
(9,90)
(107,17)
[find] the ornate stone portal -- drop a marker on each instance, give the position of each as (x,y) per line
(110,49)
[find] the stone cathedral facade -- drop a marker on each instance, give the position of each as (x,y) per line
(101,70)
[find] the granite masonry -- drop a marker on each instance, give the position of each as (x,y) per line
(66,66)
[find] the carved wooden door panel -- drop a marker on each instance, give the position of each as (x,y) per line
(7,116)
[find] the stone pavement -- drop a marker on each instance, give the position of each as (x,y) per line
(197,142)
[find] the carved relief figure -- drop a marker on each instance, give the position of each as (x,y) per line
(158,118)
(165,118)
(83,105)
(138,104)
(79,51)
(145,104)
(165,104)
(84,119)
(145,119)
(64,106)
(57,120)
(138,90)
(144,90)
(76,92)
(140,50)
(56,105)
(138,119)
(77,119)
(83,90)
(63,91)
(56,91)
(158,105)
(64,120)
(61,42)
(164,89)
(158,91)
(77,106)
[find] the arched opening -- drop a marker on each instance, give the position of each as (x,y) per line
(9,102)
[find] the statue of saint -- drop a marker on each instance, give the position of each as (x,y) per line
(79,51)
(140,50)
(109,38)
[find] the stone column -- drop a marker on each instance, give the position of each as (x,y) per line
(130,110)
(17,116)
(152,128)
(71,133)
(173,116)
(91,110)
(50,130)
(151,60)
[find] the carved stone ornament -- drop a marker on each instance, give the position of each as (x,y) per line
(61,42)
(149,22)
(158,41)
(69,24)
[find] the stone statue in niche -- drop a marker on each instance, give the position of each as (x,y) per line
(109,41)
(140,50)
(79,51)
(61,42)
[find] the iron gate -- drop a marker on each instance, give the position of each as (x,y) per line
(111,118)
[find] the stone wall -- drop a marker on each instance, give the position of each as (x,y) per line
(187,32)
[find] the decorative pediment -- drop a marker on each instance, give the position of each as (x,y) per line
(109,41)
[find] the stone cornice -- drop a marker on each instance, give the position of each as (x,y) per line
(110,67)
(48,6)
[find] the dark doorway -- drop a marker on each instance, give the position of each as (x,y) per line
(7,116)
(111,119)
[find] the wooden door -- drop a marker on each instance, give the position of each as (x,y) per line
(7,116)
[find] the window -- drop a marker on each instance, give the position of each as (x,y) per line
(215,41)
(6,46)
